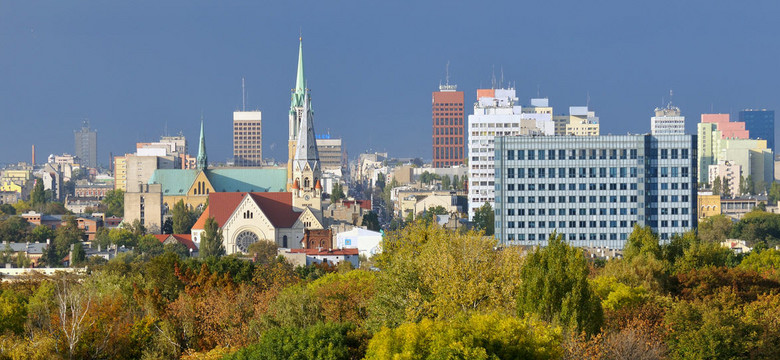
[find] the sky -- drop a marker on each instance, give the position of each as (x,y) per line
(136,69)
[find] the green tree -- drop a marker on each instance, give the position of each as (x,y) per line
(641,240)
(715,228)
(774,192)
(211,240)
(265,250)
(183,218)
(716,186)
(750,185)
(456,184)
(337,193)
(445,182)
(328,341)
(554,285)
(7,209)
(484,219)
(429,214)
(726,187)
(77,254)
(114,203)
(149,244)
(14,229)
(371,221)
(13,312)
(38,196)
(167,227)
(761,261)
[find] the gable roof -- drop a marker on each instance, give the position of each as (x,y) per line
(179,181)
(277,207)
(184,239)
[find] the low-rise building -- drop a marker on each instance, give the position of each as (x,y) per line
(305,257)
(367,242)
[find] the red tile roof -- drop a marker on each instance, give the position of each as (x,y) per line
(318,252)
(277,206)
(184,239)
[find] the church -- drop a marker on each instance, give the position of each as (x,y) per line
(267,212)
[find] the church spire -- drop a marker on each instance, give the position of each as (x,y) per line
(306,149)
(203,159)
(300,81)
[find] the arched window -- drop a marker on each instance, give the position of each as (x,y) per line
(306,182)
(284,241)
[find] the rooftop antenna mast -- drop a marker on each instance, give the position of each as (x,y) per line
(493,78)
(671,94)
(243,95)
(501,85)
(447,74)
(587,99)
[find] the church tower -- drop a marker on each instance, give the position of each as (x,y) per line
(306,186)
(203,159)
(299,96)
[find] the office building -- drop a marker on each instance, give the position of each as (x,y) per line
(761,124)
(593,190)
(667,121)
(712,131)
(448,130)
(86,145)
(496,113)
(247,138)
(332,155)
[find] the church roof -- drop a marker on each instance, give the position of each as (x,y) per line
(277,206)
(306,149)
(184,239)
(179,181)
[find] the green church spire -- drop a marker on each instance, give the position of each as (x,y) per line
(203,159)
(300,82)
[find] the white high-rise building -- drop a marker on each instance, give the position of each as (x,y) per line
(497,113)
(667,121)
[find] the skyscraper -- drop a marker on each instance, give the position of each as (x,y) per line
(448,130)
(760,124)
(247,138)
(86,145)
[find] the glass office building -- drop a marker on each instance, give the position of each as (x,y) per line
(760,124)
(593,190)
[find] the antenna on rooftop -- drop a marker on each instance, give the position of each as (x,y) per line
(671,94)
(447,74)
(538,91)
(502,77)
(493,78)
(587,99)
(243,95)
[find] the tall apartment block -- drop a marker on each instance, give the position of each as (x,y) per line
(667,121)
(85,140)
(760,124)
(593,190)
(247,138)
(497,113)
(448,129)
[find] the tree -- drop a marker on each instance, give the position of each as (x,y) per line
(554,285)
(114,203)
(484,219)
(774,192)
(371,221)
(211,240)
(7,209)
(716,186)
(265,250)
(77,255)
(167,227)
(715,228)
(445,182)
(73,303)
(479,336)
(329,341)
(337,193)
(183,218)
(429,214)
(726,188)
(750,185)
(642,240)
(38,197)
(456,183)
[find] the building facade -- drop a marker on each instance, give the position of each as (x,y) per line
(332,155)
(593,190)
(247,138)
(667,121)
(448,130)
(761,124)
(496,113)
(85,140)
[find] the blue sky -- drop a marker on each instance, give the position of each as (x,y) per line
(132,68)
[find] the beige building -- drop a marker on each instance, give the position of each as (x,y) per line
(415,202)
(332,155)
(120,172)
(580,122)
(709,205)
(727,171)
(248,138)
(144,203)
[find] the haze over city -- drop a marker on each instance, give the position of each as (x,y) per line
(137,69)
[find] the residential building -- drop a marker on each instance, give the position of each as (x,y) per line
(367,242)
(581,121)
(728,173)
(761,124)
(667,121)
(85,140)
(496,113)
(248,138)
(145,204)
(593,190)
(712,130)
(305,257)
(120,172)
(448,130)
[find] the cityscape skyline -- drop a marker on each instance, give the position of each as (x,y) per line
(371,80)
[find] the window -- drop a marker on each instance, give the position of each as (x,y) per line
(510,154)
(633,154)
(551,154)
(541,155)
(684,153)
(531,155)
(520,154)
